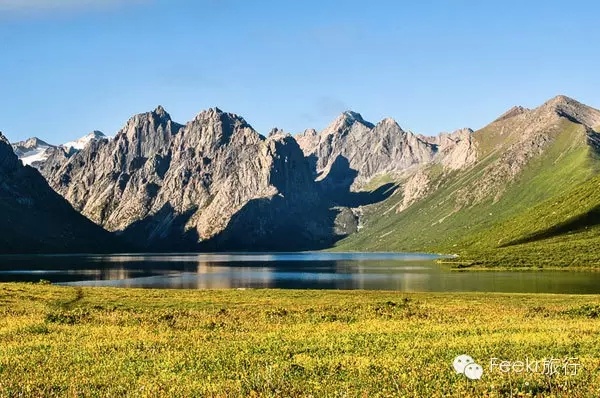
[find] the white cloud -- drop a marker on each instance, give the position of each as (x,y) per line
(49,5)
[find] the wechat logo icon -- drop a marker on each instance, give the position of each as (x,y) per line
(465,365)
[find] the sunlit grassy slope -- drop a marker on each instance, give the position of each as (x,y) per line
(556,188)
(97,342)
(562,231)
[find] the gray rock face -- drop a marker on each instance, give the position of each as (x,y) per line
(369,149)
(97,179)
(456,150)
(35,219)
(573,110)
(217,184)
(55,158)
(417,186)
(22,147)
(213,183)
(351,152)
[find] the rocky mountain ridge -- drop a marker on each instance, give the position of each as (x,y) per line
(201,179)
(82,142)
(161,183)
(383,148)
(216,184)
(35,152)
(35,219)
(32,151)
(521,159)
(525,135)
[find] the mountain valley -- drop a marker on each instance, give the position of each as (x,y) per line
(510,194)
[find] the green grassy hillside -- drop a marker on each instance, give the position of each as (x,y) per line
(562,231)
(533,219)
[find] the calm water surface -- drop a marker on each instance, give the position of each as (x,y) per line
(410,272)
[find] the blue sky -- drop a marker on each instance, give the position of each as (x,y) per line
(72,66)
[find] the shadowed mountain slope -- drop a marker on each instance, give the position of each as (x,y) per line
(35,219)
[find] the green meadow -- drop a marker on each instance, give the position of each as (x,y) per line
(103,342)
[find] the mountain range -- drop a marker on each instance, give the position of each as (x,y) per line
(35,219)
(512,193)
(33,151)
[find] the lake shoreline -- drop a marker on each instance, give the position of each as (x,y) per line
(384,271)
(470,265)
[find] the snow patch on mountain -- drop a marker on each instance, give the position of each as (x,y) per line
(32,150)
(36,155)
(82,142)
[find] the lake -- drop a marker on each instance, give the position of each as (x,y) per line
(407,272)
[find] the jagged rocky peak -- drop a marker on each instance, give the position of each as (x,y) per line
(32,151)
(365,149)
(146,134)
(461,133)
(211,111)
(161,112)
(388,121)
(32,142)
(345,122)
(276,131)
(308,140)
(512,112)
(561,99)
(573,110)
(213,128)
(216,114)
(388,131)
(387,128)
(188,188)
(158,115)
(146,120)
(352,116)
(73,146)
